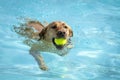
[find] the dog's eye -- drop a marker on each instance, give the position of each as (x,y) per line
(65,27)
(54,27)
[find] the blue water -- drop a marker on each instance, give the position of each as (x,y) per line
(96,52)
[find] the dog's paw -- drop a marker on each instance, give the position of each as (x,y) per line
(44,68)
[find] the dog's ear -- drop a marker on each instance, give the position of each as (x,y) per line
(42,33)
(70,32)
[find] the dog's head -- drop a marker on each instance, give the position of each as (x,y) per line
(56,30)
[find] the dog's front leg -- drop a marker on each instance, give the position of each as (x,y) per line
(39,59)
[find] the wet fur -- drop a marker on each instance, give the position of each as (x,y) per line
(34,30)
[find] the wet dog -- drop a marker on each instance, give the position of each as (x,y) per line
(42,38)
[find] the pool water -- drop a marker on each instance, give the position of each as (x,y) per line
(96,52)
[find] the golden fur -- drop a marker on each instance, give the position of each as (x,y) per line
(34,30)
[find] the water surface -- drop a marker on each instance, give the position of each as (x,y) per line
(96,52)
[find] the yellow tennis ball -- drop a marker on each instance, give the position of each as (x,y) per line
(60,41)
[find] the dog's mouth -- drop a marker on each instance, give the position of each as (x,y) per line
(59,43)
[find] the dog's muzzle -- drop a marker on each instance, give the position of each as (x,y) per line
(61,34)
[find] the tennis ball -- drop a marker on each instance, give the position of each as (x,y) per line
(60,41)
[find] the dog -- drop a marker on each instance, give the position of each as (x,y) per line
(42,38)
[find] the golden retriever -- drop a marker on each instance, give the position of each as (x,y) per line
(34,30)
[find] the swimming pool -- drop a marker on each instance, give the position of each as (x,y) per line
(96,52)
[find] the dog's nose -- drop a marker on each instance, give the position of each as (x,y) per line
(60,34)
